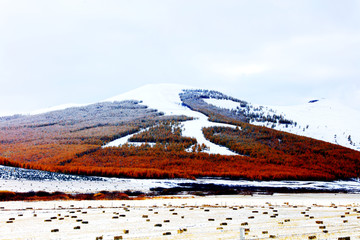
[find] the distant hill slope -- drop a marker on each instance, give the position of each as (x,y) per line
(168,131)
(322,119)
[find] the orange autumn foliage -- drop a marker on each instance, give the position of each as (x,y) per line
(264,154)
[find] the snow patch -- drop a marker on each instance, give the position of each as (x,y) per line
(123,140)
(193,128)
(24,180)
(222,103)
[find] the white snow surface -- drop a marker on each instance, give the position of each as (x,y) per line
(165,98)
(193,128)
(326,120)
(144,185)
(37,219)
(222,103)
(24,180)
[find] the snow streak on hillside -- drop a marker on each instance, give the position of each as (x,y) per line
(165,98)
(323,119)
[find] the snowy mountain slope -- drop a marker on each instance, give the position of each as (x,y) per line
(165,98)
(323,119)
(75,140)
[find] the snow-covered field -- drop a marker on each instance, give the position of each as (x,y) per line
(322,119)
(281,216)
(24,180)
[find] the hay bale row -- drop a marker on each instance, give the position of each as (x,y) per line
(181,230)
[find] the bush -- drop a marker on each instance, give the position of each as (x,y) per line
(6,195)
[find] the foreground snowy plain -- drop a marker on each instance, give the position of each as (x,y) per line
(281,216)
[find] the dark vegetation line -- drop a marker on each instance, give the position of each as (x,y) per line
(217,189)
(47,196)
(186,188)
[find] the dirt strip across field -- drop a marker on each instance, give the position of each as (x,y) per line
(279,216)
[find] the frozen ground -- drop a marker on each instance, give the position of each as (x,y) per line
(23,180)
(281,216)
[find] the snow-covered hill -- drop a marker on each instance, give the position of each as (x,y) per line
(322,119)
(165,98)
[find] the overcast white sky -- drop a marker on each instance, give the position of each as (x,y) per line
(266,52)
